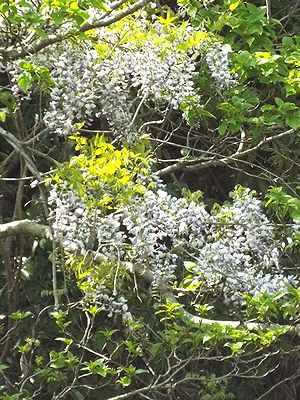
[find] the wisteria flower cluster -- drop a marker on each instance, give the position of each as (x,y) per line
(121,74)
(114,305)
(85,86)
(296,227)
(88,83)
(77,227)
(233,249)
(74,73)
(217,61)
(71,220)
(161,228)
(242,250)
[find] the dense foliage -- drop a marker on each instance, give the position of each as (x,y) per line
(149,199)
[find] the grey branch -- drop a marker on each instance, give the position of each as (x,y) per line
(196,165)
(32,228)
(13,54)
(18,146)
(145,389)
(166,292)
(25,227)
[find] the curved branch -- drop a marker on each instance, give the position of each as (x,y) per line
(18,146)
(166,292)
(53,39)
(25,227)
(33,228)
(196,165)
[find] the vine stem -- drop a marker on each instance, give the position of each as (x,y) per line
(32,228)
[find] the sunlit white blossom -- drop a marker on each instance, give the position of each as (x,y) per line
(233,248)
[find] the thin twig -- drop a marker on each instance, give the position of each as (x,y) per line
(14,54)
(196,165)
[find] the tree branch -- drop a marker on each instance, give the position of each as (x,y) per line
(166,292)
(14,54)
(33,228)
(146,389)
(25,227)
(196,165)
(18,146)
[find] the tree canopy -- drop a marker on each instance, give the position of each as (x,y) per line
(149,199)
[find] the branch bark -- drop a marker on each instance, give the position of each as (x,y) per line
(166,292)
(25,227)
(33,228)
(196,165)
(13,54)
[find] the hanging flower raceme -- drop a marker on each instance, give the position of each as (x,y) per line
(130,67)
(217,61)
(232,250)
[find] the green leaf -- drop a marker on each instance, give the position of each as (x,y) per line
(140,371)
(287,41)
(236,348)
(235,5)
(93,310)
(185,152)
(189,265)
(41,33)
(19,315)
(295,214)
(125,381)
(101,5)
(24,3)
(2,116)
(58,360)
(223,128)
(96,367)
(207,338)
(24,81)
(57,19)
(3,367)
(294,120)
(279,101)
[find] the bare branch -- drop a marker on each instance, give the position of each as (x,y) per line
(195,165)
(25,227)
(18,146)
(289,378)
(268,10)
(14,54)
(141,390)
(32,228)
(166,292)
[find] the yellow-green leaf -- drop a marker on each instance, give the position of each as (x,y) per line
(235,5)
(168,20)
(2,116)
